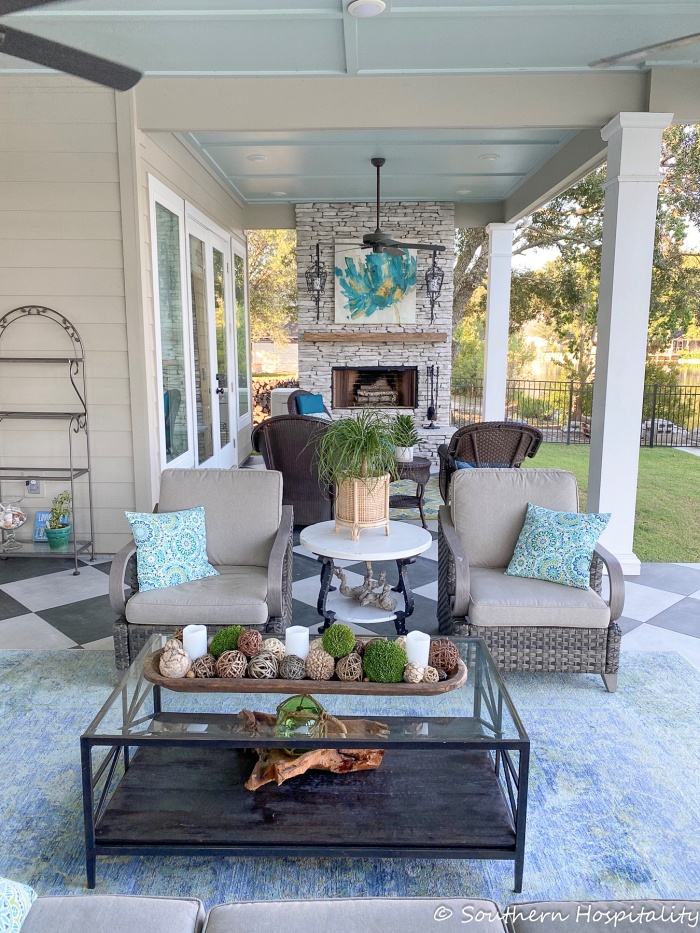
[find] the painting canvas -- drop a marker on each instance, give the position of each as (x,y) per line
(374,288)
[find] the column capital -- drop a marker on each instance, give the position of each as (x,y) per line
(637,121)
(501,228)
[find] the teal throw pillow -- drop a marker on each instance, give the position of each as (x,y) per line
(171,547)
(15,901)
(557,546)
(468,465)
(310,404)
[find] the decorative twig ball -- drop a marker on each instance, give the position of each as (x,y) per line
(349,667)
(359,647)
(204,666)
(430,675)
(178,635)
(292,667)
(316,644)
(444,655)
(250,642)
(401,642)
(384,662)
(175,662)
(232,664)
(275,646)
(172,643)
(413,673)
(442,675)
(320,665)
(225,640)
(338,640)
(263,666)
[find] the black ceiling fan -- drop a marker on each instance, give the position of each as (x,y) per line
(380,242)
(61,57)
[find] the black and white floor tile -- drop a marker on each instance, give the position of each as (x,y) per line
(44,606)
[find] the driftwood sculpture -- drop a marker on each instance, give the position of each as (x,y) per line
(365,593)
(383,599)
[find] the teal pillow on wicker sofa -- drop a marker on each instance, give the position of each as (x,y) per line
(557,546)
(15,901)
(171,547)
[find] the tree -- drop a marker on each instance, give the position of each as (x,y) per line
(272,277)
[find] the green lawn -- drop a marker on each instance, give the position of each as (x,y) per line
(667,526)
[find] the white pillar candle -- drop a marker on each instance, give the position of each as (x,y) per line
(297,641)
(194,640)
(418,648)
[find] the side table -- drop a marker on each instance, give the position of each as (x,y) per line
(403,543)
(417,470)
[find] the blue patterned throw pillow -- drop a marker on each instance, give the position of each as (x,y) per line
(171,547)
(557,546)
(15,901)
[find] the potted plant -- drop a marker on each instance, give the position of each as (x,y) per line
(405,438)
(58,522)
(357,456)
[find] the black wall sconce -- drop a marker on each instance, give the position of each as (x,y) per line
(434,277)
(316,276)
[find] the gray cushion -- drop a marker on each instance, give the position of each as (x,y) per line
(643,916)
(489,506)
(236,597)
(242,510)
(495,599)
(357,915)
(114,914)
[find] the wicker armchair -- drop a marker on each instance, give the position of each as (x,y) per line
(487,444)
(289,443)
(292,403)
(528,625)
(249,541)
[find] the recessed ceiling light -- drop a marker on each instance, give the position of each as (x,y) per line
(257,157)
(278,194)
(489,157)
(464,191)
(366,8)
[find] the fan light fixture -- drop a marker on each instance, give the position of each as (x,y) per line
(316,276)
(364,9)
(434,277)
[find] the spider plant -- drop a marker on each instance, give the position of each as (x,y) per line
(357,447)
(405,434)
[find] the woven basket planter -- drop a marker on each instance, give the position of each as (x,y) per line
(363,503)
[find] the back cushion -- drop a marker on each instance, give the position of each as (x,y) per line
(242,510)
(489,506)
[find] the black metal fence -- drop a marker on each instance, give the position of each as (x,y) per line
(562,410)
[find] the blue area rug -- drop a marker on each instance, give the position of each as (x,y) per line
(614,806)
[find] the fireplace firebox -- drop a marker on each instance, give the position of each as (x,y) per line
(378,386)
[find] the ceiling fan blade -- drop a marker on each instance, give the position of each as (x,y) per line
(636,54)
(434,248)
(16,6)
(69,60)
(392,251)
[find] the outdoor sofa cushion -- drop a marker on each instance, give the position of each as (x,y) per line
(642,916)
(114,914)
(171,547)
(237,596)
(488,508)
(352,914)
(497,599)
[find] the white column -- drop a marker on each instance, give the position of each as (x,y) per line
(497,319)
(631,190)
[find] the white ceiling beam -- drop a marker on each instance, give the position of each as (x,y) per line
(483,101)
(677,91)
(478,214)
(269,217)
(571,162)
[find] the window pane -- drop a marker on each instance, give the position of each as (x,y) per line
(200,344)
(221,347)
(242,336)
(171,332)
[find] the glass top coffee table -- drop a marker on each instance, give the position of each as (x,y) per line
(163,773)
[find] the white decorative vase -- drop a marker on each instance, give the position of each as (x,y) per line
(403,454)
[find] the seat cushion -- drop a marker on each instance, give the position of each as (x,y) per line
(237,596)
(496,599)
(641,916)
(352,914)
(114,914)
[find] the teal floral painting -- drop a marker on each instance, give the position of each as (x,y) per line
(374,288)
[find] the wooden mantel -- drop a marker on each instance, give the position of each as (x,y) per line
(358,336)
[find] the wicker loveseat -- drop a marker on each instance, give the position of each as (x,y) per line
(528,625)
(487,444)
(249,541)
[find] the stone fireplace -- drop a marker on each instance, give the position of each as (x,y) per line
(341,360)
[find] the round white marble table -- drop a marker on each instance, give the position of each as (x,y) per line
(403,543)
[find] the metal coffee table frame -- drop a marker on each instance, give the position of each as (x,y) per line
(140,737)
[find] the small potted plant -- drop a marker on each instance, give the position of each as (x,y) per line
(58,522)
(357,456)
(405,438)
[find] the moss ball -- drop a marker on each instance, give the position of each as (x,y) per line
(338,640)
(384,662)
(225,640)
